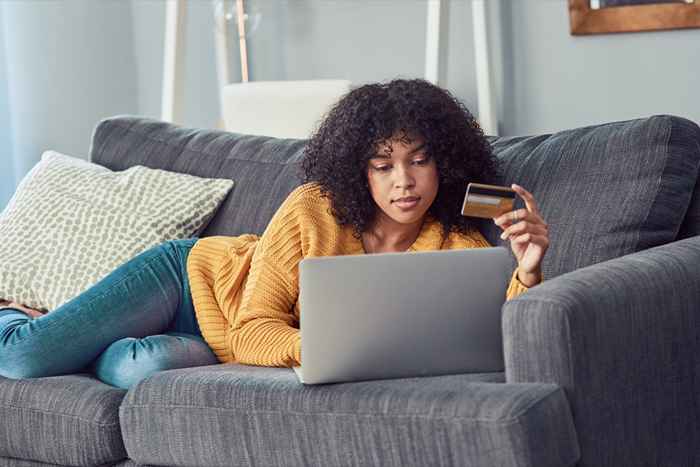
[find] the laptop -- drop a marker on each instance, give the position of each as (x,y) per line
(396,315)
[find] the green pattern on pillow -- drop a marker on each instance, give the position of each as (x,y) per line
(71,222)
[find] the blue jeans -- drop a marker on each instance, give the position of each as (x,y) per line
(137,320)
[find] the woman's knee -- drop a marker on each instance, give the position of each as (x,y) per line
(129,360)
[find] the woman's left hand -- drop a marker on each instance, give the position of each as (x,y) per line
(529,237)
(31,312)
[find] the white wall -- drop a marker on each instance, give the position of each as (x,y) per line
(149,29)
(555,81)
(201,100)
(69,65)
(359,40)
(7,171)
(363,41)
(545,78)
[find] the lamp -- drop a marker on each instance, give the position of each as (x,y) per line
(226,14)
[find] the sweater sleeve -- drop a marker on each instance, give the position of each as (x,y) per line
(516,287)
(265,330)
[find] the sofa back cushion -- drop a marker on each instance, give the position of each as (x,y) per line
(605,190)
(263,168)
(691,223)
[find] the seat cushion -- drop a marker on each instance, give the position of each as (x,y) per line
(9,462)
(64,420)
(235,414)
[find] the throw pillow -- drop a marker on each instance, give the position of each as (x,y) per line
(71,222)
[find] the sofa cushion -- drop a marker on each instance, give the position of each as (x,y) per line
(605,190)
(65,420)
(691,223)
(264,169)
(129,463)
(11,462)
(246,415)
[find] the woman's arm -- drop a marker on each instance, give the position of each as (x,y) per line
(529,237)
(516,286)
(265,329)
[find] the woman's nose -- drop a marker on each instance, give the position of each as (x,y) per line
(404,178)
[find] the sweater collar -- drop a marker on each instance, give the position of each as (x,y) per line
(429,238)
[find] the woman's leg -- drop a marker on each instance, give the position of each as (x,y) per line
(140,298)
(129,360)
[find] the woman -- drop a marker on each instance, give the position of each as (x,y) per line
(385,172)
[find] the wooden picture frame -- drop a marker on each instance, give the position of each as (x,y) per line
(632,18)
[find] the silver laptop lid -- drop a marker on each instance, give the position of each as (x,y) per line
(393,315)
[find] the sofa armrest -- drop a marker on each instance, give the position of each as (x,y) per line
(622,338)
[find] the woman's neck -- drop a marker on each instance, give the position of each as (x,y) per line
(382,237)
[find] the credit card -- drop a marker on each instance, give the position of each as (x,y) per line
(487,201)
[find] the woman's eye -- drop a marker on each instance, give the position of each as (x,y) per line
(384,168)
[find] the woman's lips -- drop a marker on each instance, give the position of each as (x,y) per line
(405,205)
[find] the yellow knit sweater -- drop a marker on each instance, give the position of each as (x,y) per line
(245,289)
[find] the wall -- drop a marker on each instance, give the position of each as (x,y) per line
(68,64)
(359,41)
(553,80)
(7,171)
(545,78)
(362,41)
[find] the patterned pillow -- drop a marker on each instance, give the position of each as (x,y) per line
(72,222)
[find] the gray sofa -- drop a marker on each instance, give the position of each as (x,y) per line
(602,360)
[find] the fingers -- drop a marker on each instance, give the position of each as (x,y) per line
(524,227)
(530,202)
(540,240)
(530,206)
(507,219)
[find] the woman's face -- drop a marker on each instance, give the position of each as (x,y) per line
(401,169)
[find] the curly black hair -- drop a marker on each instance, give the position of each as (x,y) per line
(336,157)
